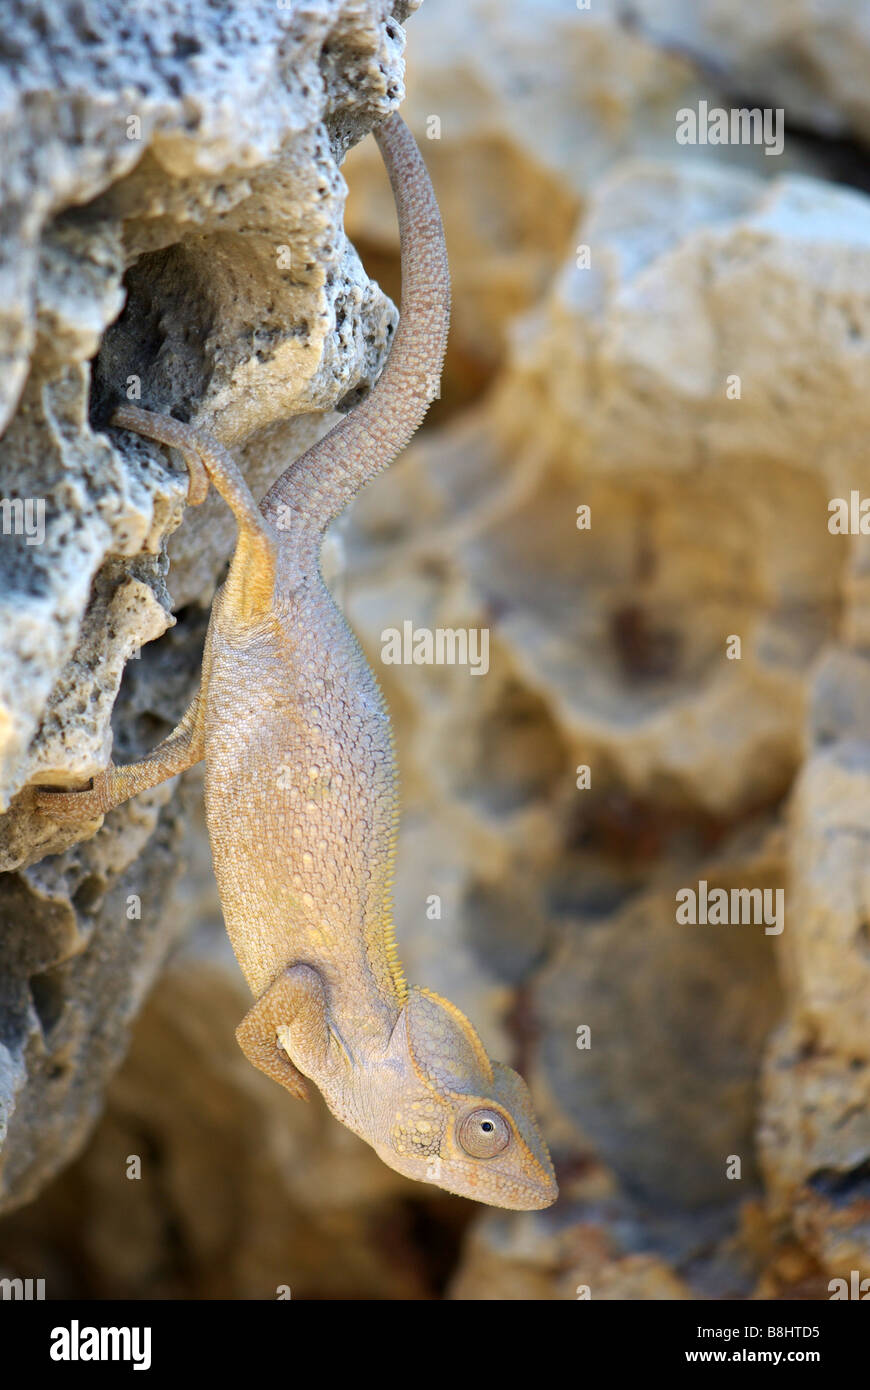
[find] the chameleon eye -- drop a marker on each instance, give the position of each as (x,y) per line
(484,1133)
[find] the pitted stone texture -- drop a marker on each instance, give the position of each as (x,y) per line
(806,57)
(173,209)
(173,234)
(709,518)
(608,647)
(85,935)
(520,110)
(815,1133)
(711,363)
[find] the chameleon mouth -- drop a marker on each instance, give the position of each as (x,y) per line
(536,1195)
(518,1194)
(491,1186)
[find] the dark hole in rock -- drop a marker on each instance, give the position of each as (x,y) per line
(520,754)
(47,992)
(89,894)
(839,1188)
(158,338)
(644,652)
(184,46)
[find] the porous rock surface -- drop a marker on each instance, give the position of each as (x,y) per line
(173,234)
(806,57)
(676,339)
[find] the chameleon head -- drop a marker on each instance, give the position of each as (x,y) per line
(461,1121)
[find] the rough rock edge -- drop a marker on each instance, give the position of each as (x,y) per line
(77,960)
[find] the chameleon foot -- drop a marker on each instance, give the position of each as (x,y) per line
(73,807)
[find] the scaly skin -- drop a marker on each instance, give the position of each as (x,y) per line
(300,787)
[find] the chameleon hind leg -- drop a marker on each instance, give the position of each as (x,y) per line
(248,592)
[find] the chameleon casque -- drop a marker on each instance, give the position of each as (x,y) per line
(300,785)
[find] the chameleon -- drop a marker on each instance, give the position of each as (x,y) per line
(301,795)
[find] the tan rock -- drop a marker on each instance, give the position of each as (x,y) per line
(173,216)
(810,59)
(611,287)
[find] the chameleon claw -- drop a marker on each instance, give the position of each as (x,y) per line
(73,807)
(142,422)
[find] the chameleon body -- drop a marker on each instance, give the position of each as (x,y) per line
(301,794)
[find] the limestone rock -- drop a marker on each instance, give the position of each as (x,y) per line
(807,58)
(815,1137)
(84,937)
(173,233)
(719,372)
(579,1262)
(675,338)
(200,1180)
(521,109)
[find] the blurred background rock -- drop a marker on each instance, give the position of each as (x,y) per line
(609,287)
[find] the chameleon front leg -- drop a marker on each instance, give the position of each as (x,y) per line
(178,751)
(292,1012)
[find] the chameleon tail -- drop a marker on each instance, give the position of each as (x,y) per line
(321,483)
